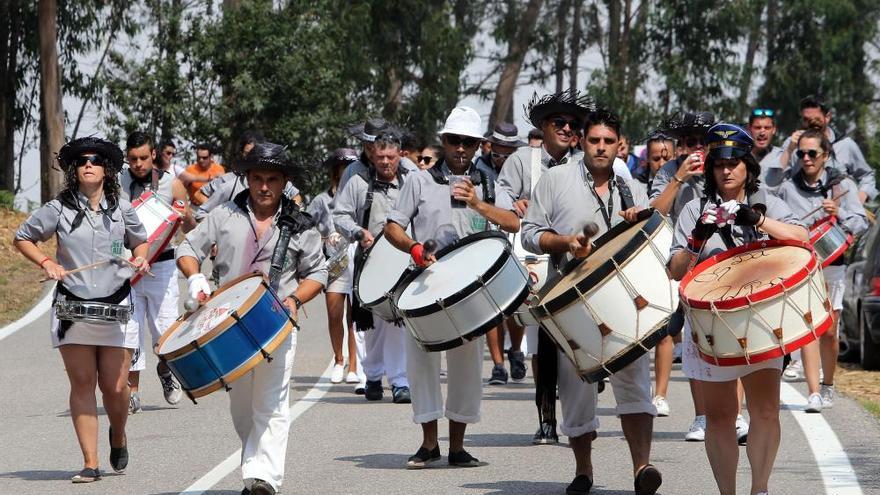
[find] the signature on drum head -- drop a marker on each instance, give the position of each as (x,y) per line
(737,287)
(209,319)
(725,292)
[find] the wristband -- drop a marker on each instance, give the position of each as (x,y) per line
(694,245)
(296,301)
(43,261)
(759,224)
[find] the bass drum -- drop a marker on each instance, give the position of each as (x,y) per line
(538,268)
(383,268)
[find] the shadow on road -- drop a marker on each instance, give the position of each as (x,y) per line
(512,487)
(48,475)
(377,461)
(501,440)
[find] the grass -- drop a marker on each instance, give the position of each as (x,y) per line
(871,406)
(19,278)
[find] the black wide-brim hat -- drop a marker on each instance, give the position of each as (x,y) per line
(570,102)
(341,156)
(74,149)
(688,124)
(267,156)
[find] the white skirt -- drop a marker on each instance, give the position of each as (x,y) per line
(109,334)
(343,284)
(695,368)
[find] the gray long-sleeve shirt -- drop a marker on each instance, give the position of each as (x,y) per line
(851,213)
(772,174)
(848,158)
(99,237)
(692,188)
(361,165)
(515,179)
(351,202)
(321,212)
(239,251)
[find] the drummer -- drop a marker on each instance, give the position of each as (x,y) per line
(563,202)
(425,204)
(366,133)
(246,231)
(359,215)
(92,225)
(731,173)
(155,298)
(815,193)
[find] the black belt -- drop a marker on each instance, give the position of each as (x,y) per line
(166,255)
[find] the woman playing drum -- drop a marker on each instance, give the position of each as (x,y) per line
(92,225)
(818,194)
(732,192)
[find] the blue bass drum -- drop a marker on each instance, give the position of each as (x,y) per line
(240,325)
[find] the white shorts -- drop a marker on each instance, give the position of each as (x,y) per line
(835,279)
(531,339)
(696,369)
(343,284)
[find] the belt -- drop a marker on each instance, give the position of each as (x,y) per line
(166,255)
(91,311)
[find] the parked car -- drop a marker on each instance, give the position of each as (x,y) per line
(860,325)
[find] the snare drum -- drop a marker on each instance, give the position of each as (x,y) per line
(538,268)
(610,308)
(829,239)
(160,222)
(756,302)
(242,323)
(382,270)
(474,284)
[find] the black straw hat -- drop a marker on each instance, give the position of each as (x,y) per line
(71,151)
(267,156)
(570,102)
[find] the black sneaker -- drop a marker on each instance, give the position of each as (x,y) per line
(648,480)
(580,485)
(463,459)
(400,395)
(423,457)
(260,487)
(546,434)
(373,390)
(517,365)
(499,375)
(118,455)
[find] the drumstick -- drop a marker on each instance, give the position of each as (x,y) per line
(80,269)
(590,229)
(429,247)
(814,210)
(113,256)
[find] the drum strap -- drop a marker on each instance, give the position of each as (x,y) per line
(626,199)
(138,187)
(545,385)
(537,168)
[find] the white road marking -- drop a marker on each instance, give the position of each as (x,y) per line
(31,316)
(834,466)
(232,462)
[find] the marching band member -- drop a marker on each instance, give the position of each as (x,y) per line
(366,133)
(425,205)
(731,175)
(812,186)
(359,215)
(246,231)
(92,224)
(155,298)
(564,200)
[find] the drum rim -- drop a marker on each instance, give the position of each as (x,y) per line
(822,227)
(357,280)
(586,284)
(173,220)
(627,357)
(226,323)
(411,274)
(744,301)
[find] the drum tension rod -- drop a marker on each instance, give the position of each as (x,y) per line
(250,336)
(210,362)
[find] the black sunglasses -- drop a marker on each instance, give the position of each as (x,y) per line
(466,141)
(495,154)
(810,153)
(95,159)
(692,141)
(762,112)
(425,159)
(560,123)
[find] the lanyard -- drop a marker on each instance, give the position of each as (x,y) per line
(606,215)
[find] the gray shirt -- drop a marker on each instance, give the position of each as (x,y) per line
(225,187)
(772,173)
(427,205)
(362,165)
(687,220)
(101,235)
(848,158)
(131,188)
(515,179)
(851,213)
(564,201)
(322,214)
(239,251)
(351,202)
(692,188)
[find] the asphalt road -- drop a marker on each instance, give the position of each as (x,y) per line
(341,444)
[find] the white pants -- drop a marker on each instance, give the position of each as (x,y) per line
(385,352)
(835,277)
(155,307)
(463,377)
(632,392)
(260,407)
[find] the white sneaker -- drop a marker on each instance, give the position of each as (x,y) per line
(361,387)
(697,431)
(794,372)
(661,405)
(337,373)
(827,394)
(352,377)
(742,429)
(814,403)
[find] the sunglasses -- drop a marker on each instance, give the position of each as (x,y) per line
(762,112)
(692,141)
(425,159)
(497,155)
(456,140)
(810,153)
(560,123)
(95,159)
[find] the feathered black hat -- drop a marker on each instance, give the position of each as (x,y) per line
(341,156)
(71,151)
(570,101)
(688,123)
(267,156)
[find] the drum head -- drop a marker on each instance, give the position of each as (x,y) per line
(746,273)
(452,273)
(212,314)
(382,270)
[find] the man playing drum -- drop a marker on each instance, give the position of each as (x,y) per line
(155,298)
(439,211)
(246,231)
(564,201)
(731,179)
(366,133)
(359,215)
(817,193)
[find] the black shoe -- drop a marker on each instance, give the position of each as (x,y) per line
(648,480)
(546,434)
(517,365)
(246,491)
(118,455)
(423,457)
(260,487)
(580,485)
(373,391)
(499,375)
(463,459)
(400,395)
(87,475)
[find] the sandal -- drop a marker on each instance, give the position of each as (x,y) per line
(87,475)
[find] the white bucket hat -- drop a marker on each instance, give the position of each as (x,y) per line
(463,121)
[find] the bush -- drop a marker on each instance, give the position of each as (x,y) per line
(7,200)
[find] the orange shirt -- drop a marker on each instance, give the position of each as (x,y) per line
(214,170)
